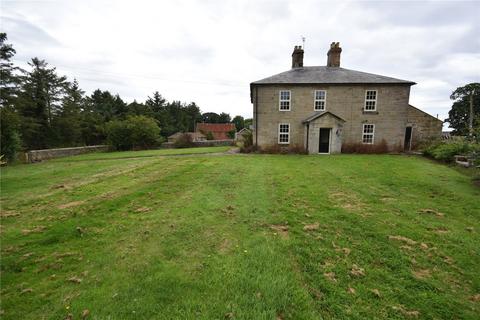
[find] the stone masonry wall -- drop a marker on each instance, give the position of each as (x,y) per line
(424,126)
(40,155)
(346,101)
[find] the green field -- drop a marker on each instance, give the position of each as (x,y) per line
(239,237)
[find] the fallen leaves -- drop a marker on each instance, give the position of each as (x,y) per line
(351,290)
(26,290)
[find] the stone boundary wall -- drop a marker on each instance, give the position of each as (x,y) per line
(206,143)
(40,155)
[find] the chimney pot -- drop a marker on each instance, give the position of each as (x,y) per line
(333,55)
(297,57)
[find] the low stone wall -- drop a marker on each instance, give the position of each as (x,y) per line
(206,143)
(40,155)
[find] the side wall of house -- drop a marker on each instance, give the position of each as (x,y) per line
(345,101)
(424,126)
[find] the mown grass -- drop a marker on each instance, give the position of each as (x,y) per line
(143,153)
(240,237)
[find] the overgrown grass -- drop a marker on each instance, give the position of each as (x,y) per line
(240,237)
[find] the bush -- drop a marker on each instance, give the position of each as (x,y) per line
(209,135)
(446,150)
(381,147)
(10,142)
(136,132)
(231,134)
(279,149)
(184,141)
(247,146)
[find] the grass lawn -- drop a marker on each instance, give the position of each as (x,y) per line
(239,237)
(144,153)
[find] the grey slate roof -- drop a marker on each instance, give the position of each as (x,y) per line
(320,114)
(328,75)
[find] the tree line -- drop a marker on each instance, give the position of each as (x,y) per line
(41,109)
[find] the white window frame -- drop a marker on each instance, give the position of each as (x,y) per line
(370,134)
(324,100)
(280,100)
(280,133)
(370,100)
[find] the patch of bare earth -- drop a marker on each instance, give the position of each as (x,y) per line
(407,313)
(431,211)
(356,271)
(441,230)
(225,246)
(403,239)
(421,273)
(281,230)
(37,229)
(349,202)
(71,204)
(8,213)
(475,298)
(229,210)
(330,276)
(142,209)
(311,227)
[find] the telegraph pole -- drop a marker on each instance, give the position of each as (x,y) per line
(470,122)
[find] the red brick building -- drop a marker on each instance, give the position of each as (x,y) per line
(219,130)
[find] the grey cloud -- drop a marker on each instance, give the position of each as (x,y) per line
(410,13)
(24,32)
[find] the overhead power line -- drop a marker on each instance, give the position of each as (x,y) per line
(120,75)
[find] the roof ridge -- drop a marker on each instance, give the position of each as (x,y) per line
(329,75)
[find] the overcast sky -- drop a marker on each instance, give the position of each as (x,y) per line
(209,51)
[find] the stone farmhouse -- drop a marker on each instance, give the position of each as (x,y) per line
(327,108)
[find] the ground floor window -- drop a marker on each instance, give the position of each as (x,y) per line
(368,133)
(284,133)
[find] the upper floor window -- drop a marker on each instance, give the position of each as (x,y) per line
(320,100)
(368,133)
(284,133)
(371,100)
(285,96)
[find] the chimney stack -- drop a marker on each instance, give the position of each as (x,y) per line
(334,55)
(297,57)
